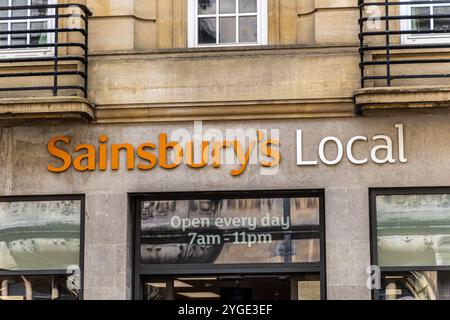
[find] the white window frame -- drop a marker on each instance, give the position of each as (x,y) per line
(32,52)
(405,10)
(262,21)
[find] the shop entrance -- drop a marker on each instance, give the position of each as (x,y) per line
(233,287)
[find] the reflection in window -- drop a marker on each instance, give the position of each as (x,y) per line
(309,288)
(248,288)
(423,24)
(272,230)
(413,230)
(40,237)
(206,6)
(413,235)
(441,23)
(37,288)
(416,285)
(207,30)
(432,23)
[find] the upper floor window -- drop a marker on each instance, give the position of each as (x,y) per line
(227,22)
(19,18)
(428,20)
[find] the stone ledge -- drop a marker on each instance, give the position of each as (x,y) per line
(238,110)
(45,109)
(408,98)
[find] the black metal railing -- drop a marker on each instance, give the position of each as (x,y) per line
(382,26)
(58,63)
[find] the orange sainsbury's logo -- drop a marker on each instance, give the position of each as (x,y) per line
(255,147)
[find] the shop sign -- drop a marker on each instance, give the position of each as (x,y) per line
(238,148)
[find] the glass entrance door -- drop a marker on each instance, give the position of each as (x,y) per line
(234,287)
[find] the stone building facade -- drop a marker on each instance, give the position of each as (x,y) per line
(332,80)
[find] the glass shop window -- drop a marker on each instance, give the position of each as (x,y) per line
(227,22)
(413,245)
(415,285)
(434,20)
(230,246)
(230,231)
(40,250)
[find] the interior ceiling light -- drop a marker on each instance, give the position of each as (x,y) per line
(198,279)
(177,284)
(199,295)
(181,284)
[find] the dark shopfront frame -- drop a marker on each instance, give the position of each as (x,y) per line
(162,270)
(373,194)
(79,197)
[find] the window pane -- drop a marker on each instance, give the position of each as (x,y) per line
(4,3)
(38,38)
(248,6)
(415,285)
(227,6)
(275,251)
(227,30)
(413,230)
(40,11)
(37,288)
(243,288)
(39,235)
(218,231)
(155,290)
(309,288)
(19,38)
(442,23)
(19,13)
(248,29)
(305,211)
(420,24)
(159,215)
(206,6)
(4,38)
(206,30)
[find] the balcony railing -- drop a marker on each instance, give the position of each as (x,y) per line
(400,43)
(44,50)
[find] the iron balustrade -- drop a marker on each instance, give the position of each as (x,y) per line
(61,49)
(387,13)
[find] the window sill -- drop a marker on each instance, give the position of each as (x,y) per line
(426,40)
(25,53)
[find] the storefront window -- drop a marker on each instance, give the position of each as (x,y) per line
(412,237)
(413,230)
(37,288)
(219,231)
(40,248)
(416,285)
(213,234)
(258,288)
